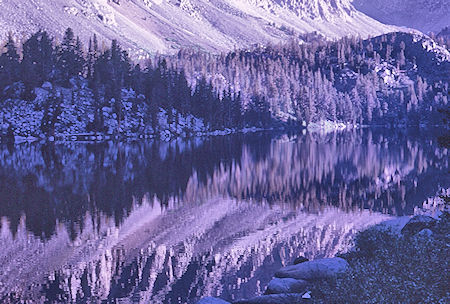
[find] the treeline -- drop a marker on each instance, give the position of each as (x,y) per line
(443,37)
(107,72)
(388,79)
(392,78)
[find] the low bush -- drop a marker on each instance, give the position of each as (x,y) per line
(386,267)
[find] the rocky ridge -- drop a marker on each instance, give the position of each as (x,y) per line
(167,25)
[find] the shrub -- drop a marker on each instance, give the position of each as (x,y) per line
(388,268)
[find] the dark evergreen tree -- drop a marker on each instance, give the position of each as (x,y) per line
(38,62)
(52,109)
(9,63)
(70,60)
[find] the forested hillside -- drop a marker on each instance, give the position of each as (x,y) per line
(56,89)
(396,78)
(50,88)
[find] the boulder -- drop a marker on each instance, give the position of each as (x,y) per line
(289,298)
(14,90)
(300,259)
(307,295)
(314,270)
(425,233)
(212,300)
(418,223)
(41,95)
(286,285)
(47,85)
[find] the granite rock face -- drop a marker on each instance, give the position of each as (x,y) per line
(201,24)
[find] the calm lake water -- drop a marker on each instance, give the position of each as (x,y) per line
(157,222)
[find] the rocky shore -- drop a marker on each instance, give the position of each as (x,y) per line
(291,284)
(299,283)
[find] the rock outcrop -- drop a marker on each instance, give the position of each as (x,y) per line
(314,270)
(290,285)
(418,223)
(286,285)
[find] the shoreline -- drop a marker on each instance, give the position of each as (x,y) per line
(93,137)
(318,280)
(322,128)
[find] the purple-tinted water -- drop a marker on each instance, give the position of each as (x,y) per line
(153,222)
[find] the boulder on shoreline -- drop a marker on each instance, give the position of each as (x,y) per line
(212,300)
(300,259)
(418,223)
(289,298)
(286,285)
(314,270)
(425,233)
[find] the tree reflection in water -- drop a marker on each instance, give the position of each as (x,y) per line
(159,222)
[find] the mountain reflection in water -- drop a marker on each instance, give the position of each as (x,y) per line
(155,222)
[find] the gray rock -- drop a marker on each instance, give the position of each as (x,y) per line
(300,259)
(314,270)
(418,223)
(425,233)
(286,285)
(291,298)
(212,300)
(47,85)
(14,90)
(307,295)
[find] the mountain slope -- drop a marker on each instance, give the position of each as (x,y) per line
(166,25)
(424,15)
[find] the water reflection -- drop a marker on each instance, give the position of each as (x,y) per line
(168,222)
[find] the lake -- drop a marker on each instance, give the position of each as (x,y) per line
(170,222)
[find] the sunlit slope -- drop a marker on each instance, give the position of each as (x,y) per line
(424,15)
(167,25)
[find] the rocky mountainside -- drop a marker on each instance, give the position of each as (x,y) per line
(424,15)
(167,25)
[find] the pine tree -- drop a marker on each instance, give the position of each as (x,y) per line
(38,62)
(9,63)
(92,56)
(52,110)
(70,61)
(401,55)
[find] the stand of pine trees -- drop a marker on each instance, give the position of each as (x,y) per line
(109,70)
(297,83)
(315,79)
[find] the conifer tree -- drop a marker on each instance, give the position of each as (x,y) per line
(52,109)
(9,63)
(38,62)
(70,61)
